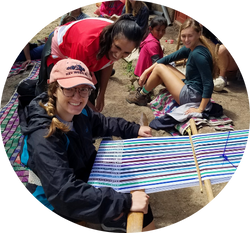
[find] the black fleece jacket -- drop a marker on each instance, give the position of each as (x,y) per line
(63,162)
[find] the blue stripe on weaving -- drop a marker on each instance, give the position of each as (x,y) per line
(138,163)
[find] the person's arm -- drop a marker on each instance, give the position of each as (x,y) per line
(175,56)
(115,126)
(204,65)
(72,197)
(26,51)
(149,51)
(105,75)
(201,108)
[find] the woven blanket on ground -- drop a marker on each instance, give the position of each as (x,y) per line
(166,163)
(17,67)
(11,132)
(165,103)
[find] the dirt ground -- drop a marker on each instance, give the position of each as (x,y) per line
(171,206)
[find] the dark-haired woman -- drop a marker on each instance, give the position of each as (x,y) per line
(96,42)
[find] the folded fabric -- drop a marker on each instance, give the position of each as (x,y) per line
(168,115)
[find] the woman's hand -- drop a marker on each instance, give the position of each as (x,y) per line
(191,110)
(145,131)
(142,79)
(145,74)
(140,202)
(24,64)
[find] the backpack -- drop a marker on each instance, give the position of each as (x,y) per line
(27,87)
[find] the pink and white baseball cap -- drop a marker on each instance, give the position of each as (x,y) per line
(70,73)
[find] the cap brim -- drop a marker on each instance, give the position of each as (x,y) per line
(72,82)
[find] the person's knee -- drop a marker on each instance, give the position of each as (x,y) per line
(159,68)
(222,51)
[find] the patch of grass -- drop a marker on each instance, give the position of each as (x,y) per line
(129,68)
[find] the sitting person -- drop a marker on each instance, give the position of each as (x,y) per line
(58,130)
(111,8)
(194,87)
(140,12)
(226,63)
(150,48)
(77,14)
(31,51)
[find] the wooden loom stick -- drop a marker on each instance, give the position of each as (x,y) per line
(207,182)
(195,159)
(135,219)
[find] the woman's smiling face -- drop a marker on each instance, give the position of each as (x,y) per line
(190,38)
(67,107)
(120,48)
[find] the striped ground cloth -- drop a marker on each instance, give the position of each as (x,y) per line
(10,130)
(165,163)
(18,67)
(165,103)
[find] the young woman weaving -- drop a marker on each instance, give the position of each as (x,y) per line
(58,129)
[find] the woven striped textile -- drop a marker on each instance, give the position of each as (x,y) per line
(166,163)
(11,132)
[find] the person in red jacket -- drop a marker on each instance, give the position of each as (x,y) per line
(98,43)
(110,8)
(150,48)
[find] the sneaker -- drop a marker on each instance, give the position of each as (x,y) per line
(220,83)
(137,98)
(116,226)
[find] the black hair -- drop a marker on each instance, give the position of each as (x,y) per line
(158,20)
(124,26)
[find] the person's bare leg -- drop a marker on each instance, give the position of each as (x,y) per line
(168,75)
(149,227)
(225,61)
